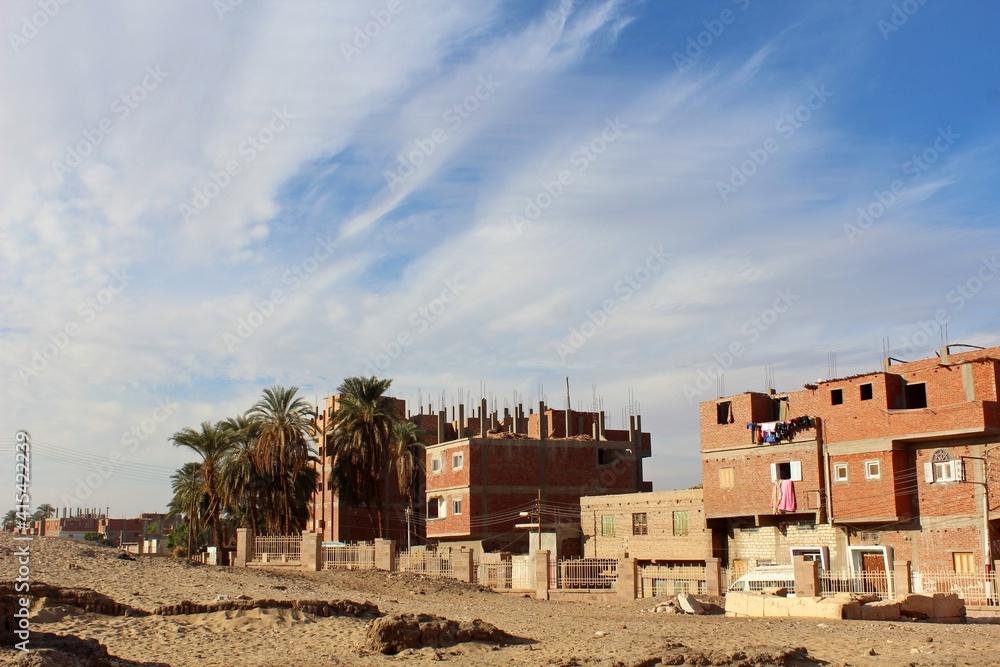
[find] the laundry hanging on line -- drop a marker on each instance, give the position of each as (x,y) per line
(777,431)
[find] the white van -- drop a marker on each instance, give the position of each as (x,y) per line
(766,576)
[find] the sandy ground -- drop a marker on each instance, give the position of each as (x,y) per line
(561,633)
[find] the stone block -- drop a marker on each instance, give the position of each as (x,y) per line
(775,606)
(915,605)
(883,610)
(948,605)
(755,606)
(736,603)
(851,611)
(689,604)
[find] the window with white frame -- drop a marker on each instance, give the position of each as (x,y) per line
(791,470)
(840,472)
(457,460)
(456,506)
(435,465)
(942,468)
(873,469)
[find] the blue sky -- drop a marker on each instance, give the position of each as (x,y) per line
(201,200)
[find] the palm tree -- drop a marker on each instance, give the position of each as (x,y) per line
(284,424)
(361,440)
(212,443)
(189,498)
(10,520)
(44,511)
(408,456)
(243,486)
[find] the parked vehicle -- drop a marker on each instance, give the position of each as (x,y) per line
(764,577)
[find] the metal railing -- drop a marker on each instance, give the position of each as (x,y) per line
(505,572)
(974,588)
(585,574)
(359,556)
(277,549)
(425,562)
(666,580)
(872,582)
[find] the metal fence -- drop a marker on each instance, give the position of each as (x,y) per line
(584,574)
(872,582)
(359,556)
(974,588)
(505,572)
(425,562)
(277,549)
(666,580)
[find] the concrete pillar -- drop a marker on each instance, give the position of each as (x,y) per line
(542,574)
(441,429)
(628,579)
(601,428)
(463,564)
(482,418)
(461,420)
(713,577)
(901,572)
(385,555)
(543,427)
(244,542)
(806,577)
(312,551)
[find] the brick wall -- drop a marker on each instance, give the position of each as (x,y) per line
(862,497)
(753,490)
(659,543)
(502,476)
(772,543)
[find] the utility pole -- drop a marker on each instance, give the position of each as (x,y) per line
(409,531)
(538,517)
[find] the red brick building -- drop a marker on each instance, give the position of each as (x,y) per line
(344,522)
(900,463)
(484,471)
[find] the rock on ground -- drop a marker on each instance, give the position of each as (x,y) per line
(392,634)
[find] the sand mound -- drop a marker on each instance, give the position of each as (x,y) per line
(48,650)
(48,610)
(246,619)
(756,656)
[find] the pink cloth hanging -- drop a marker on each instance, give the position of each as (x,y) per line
(787,503)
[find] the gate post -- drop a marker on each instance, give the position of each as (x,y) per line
(628,579)
(542,575)
(713,577)
(312,552)
(244,537)
(806,574)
